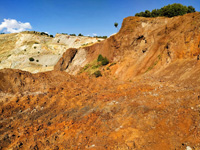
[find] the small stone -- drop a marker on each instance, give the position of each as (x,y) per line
(188,148)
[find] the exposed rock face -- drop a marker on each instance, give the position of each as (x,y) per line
(66,59)
(149,99)
(16,49)
(145,44)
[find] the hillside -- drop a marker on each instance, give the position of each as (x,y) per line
(148,96)
(16,49)
(146,45)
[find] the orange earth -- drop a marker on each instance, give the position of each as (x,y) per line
(148,97)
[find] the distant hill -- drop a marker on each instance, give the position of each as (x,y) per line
(17,49)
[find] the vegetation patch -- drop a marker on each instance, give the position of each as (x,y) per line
(97,74)
(101,37)
(103,60)
(95,66)
(168,11)
(31,59)
(87,44)
(72,34)
(112,64)
(90,68)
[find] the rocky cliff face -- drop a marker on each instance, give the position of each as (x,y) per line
(147,98)
(16,49)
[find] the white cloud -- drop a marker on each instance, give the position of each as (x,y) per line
(94,34)
(14,26)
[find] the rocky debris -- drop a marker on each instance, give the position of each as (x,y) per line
(101,113)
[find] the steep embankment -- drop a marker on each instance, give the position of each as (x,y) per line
(156,106)
(147,45)
(16,49)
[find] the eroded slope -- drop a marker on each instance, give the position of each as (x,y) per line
(146,45)
(90,113)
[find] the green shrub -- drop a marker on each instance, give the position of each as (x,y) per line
(37,60)
(100,58)
(95,66)
(114,63)
(31,59)
(105,61)
(97,74)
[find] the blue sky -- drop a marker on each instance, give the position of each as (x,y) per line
(88,17)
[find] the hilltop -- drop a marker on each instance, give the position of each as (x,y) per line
(147,97)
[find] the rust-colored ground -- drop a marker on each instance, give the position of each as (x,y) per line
(131,106)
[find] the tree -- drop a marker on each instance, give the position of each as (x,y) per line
(191,9)
(168,11)
(80,34)
(154,13)
(116,25)
(147,13)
